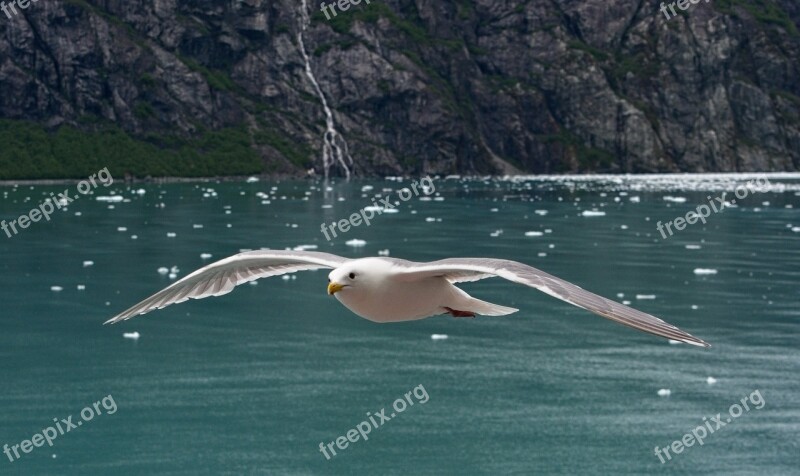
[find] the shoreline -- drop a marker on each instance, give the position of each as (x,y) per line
(521,177)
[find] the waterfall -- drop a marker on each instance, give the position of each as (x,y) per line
(334,147)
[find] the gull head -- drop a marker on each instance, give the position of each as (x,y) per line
(358,276)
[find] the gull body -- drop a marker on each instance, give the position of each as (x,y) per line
(391,290)
(377,293)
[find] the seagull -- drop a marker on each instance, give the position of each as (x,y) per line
(384,289)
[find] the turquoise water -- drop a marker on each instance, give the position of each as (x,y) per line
(253,382)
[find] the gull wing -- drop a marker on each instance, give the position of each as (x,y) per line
(458,270)
(222,276)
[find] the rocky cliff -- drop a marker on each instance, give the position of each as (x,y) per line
(160,87)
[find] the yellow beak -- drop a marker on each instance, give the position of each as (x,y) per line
(333,288)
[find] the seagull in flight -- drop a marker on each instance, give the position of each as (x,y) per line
(393,290)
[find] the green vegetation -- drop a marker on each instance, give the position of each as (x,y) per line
(589,158)
(598,54)
(30,152)
(765,11)
(297,154)
(216,79)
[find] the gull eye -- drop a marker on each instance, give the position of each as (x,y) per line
(352,275)
(329,280)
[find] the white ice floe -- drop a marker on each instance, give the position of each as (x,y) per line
(711,380)
(171,235)
(704,271)
(163,270)
(438,336)
(534,233)
(796,229)
(664,392)
(693,247)
(675,342)
(141,191)
(110,198)
(56,289)
(88,263)
(645,296)
(669,198)
(197,226)
(383,252)
(593,213)
(540,212)
(131,335)
(81,287)
(355,243)
(205,255)
(122,229)
(252,179)
(635,199)
(304,247)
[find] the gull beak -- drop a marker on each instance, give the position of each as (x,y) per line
(333,288)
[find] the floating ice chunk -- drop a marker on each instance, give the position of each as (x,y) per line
(355,243)
(383,252)
(704,271)
(695,307)
(88,263)
(540,212)
(304,247)
(122,228)
(56,289)
(197,226)
(664,392)
(645,296)
(593,213)
(541,255)
(675,199)
(438,336)
(623,227)
(675,342)
(620,295)
(141,191)
(367,188)
(110,198)
(796,229)
(205,256)
(635,199)
(693,247)
(131,335)
(171,235)
(252,179)
(496,233)
(163,270)
(286,277)
(134,237)
(81,287)
(711,380)
(173,275)
(534,233)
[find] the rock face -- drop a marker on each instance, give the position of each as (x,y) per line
(424,86)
